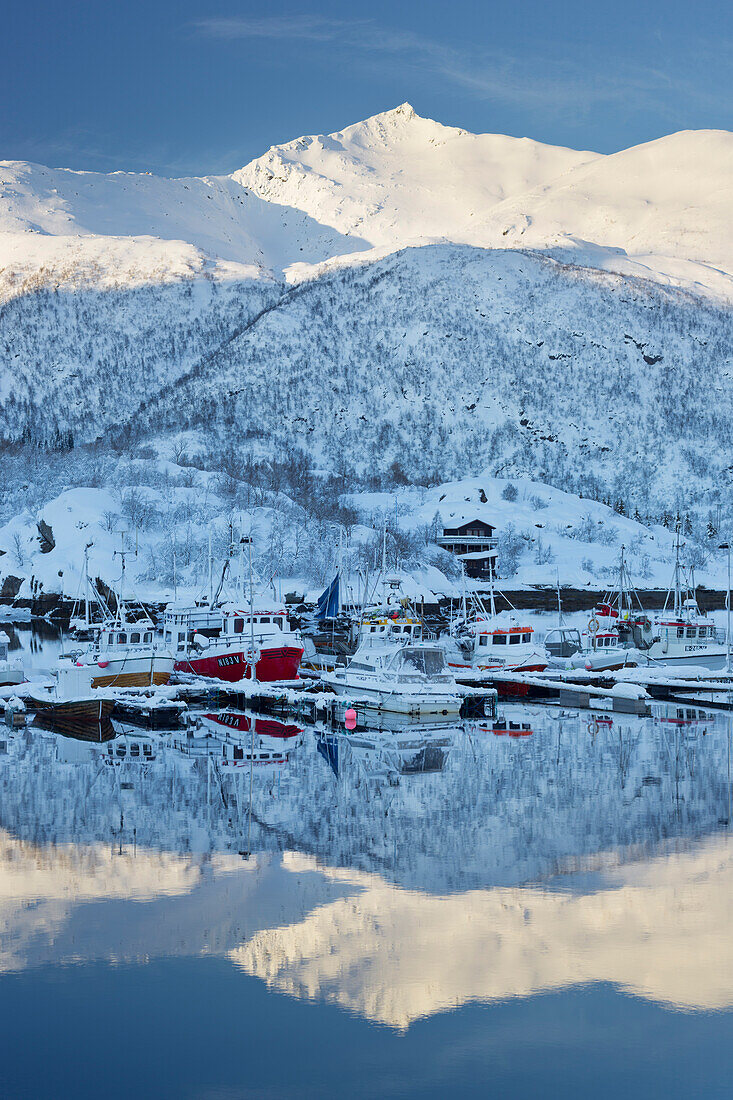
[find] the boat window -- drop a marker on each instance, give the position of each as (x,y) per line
(121,750)
(238,626)
(168,636)
(680,632)
(526,637)
(135,638)
(515,639)
(238,752)
(134,749)
(148,636)
(122,639)
(691,632)
(483,640)
(499,639)
(431,662)
(147,750)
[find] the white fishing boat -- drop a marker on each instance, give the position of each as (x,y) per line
(482,640)
(496,643)
(406,679)
(125,650)
(601,646)
(11,672)
(682,636)
(71,704)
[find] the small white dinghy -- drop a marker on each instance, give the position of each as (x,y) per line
(412,679)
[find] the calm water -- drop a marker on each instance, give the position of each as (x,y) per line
(470,910)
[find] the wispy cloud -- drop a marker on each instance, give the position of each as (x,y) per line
(532,80)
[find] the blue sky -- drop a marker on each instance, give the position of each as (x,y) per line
(195,86)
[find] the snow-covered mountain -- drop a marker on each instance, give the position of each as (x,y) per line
(398,178)
(400,292)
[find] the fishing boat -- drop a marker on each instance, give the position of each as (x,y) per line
(127,653)
(412,678)
(601,646)
(681,636)
(11,672)
(250,634)
(70,704)
(482,640)
(232,639)
(602,649)
(125,650)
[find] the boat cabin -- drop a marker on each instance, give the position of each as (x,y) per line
(243,622)
(407,662)
(516,635)
(563,641)
(181,626)
(390,629)
(126,636)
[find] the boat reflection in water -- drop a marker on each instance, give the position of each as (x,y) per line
(391,750)
(397,872)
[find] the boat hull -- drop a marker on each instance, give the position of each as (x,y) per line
(716,662)
(133,671)
(399,702)
(232,665)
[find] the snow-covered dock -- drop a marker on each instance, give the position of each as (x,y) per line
(628,690)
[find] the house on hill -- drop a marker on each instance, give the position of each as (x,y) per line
(474,542)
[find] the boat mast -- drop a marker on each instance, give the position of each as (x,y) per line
(677,584)
(492,600)
(253,676)
(211,576)
(87,548)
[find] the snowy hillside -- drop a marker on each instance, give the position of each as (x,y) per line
(464,359)
(168,512)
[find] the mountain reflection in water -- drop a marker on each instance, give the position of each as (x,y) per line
(397,872)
